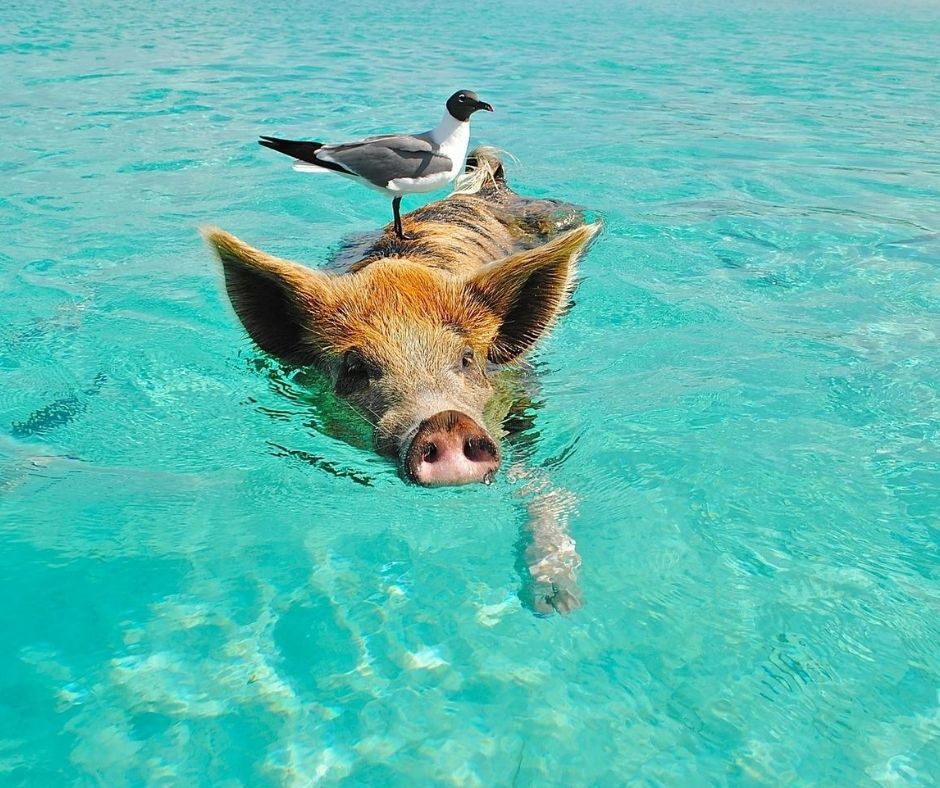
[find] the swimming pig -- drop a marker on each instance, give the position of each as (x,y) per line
(412,332)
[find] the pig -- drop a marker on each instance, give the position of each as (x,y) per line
(411,333)
(416,334)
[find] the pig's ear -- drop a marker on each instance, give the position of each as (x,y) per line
(278,302)
(528,291)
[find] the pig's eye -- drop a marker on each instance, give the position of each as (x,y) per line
(355,374)
(466,360)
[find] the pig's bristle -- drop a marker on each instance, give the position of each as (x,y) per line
(484,171)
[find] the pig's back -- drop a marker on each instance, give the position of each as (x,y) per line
(463,232)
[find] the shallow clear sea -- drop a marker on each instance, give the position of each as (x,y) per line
(201,584)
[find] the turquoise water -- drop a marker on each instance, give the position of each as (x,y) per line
(202,584)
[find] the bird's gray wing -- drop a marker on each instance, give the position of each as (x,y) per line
(382,159)
(416,143)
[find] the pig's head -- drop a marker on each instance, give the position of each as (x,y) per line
(409,346)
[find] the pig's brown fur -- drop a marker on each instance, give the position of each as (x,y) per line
(408,330)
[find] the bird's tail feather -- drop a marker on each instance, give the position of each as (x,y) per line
(302,166)
(303,151)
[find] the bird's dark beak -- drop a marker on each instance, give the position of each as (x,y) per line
(484,105)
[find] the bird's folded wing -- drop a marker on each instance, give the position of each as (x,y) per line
(382,159)
(415,143)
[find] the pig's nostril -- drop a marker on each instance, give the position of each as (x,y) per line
(429,453)
(478,450)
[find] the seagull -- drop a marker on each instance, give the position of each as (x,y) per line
(395,164)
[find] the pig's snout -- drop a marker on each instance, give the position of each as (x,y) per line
(451,448)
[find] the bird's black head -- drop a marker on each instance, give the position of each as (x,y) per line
(464,103)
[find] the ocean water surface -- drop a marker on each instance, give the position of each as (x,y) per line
(203,584)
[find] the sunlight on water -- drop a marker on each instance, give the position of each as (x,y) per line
(209,577)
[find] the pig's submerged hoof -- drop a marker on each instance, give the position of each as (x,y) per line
(549,597)
(557,600)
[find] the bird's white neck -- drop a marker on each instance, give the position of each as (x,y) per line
(450,129)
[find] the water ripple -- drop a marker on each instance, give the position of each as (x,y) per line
(209,576)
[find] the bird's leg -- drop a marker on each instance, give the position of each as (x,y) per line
(396,208)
